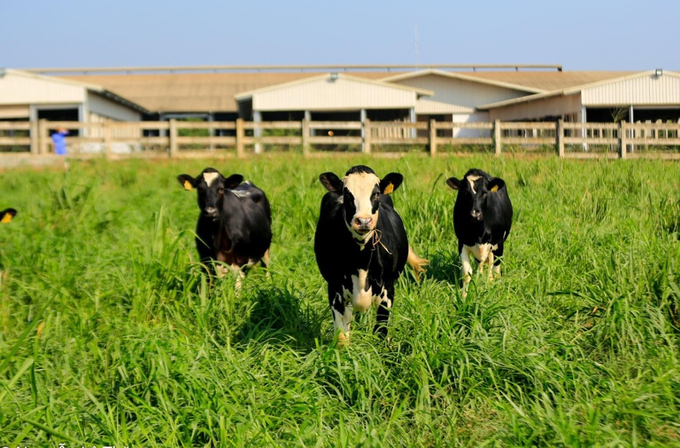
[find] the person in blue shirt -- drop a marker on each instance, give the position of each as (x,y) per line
(59,141)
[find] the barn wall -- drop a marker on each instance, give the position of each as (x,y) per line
(643,90)
(15,112)
(535,110)
(453,95)
(477,117)
(341,94)
(100,106)
(18,89)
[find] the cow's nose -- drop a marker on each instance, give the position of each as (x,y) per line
(211,211)
(363,223)
(477,214)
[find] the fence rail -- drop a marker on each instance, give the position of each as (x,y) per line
(239,138)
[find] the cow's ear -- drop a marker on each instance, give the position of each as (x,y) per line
(453,183)
(186,181)
(331,182)
(390,183)
(233,181)
(495,184)
(7,215)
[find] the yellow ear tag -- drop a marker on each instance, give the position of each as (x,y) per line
(188,186)
(7,218)
(389,188)
(494,189)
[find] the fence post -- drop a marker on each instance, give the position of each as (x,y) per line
(35,138)
(559,135)
(257,133)
(173,137)
(497,136)
(433,138)
(367,136)
(622,139)
(107,139)
(43,137)
(305,136)
(240,134)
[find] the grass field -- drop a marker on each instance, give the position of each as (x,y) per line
(109,334)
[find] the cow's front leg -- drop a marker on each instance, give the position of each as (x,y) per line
(264,262)
(386,298)
(497,253)
(342,314)
(489,262)
(466,269)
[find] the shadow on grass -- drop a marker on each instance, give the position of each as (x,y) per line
(444,268)
(279,316)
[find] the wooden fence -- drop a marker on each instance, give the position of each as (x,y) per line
(239,138)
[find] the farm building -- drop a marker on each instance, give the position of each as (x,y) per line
(445,93)
(641,96)
(28,96)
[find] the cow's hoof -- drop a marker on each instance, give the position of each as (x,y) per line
(343,340)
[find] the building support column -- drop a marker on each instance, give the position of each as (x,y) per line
(257,132)
(162,132)
(35,138)
(584,132)
(631,120)
(362,118)
(211,131)
(412,117)
(308,117)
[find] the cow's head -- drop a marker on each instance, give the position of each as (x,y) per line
(473,191)
(359,193)
(211,186)
(7,215)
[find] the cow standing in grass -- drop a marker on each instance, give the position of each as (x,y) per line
(482,217)
(361,245)
(7,215)
(234,225)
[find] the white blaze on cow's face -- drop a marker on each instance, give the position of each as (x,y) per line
(472,179)
(361,202)
(210,177)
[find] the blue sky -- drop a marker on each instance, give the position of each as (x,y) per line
(580,35)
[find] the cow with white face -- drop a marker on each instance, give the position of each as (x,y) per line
(482,217)
(234,224)
(361,245)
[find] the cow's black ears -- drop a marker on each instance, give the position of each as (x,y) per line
(233,181)
(331,182)
(390,183)
(453,183)
(7,215)
(186,181)
(495,184)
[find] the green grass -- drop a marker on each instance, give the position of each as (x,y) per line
(110,335)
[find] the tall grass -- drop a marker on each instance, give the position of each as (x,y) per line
(110,333)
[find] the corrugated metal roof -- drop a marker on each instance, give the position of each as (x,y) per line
(215,92)
(195,92)
(548,81)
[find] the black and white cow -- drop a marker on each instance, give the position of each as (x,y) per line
(7,215)
(234,225)
(361,245)
(482,217)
